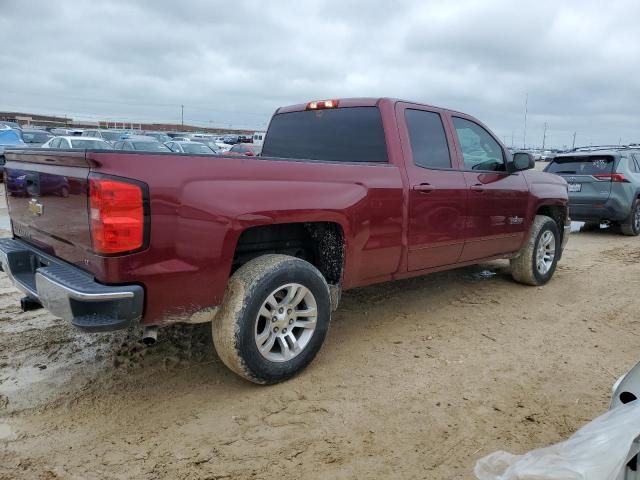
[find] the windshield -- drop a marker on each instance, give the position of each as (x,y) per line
(586,165)
(10,137)
(150,147)
(111,135)
(36,137)
(336,135)
(90,144)
(161,137)
(194,147)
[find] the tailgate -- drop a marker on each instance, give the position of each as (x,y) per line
(47,200)
(588,176)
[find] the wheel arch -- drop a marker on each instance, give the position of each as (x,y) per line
(321,243)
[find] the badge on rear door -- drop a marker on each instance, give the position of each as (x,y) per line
(36,207)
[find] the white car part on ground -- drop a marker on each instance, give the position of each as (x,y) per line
(598,451)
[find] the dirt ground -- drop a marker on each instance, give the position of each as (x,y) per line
(417,379)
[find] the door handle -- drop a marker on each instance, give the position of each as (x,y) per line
(423,188)
(478,187)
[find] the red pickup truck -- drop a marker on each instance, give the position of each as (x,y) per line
(346,193)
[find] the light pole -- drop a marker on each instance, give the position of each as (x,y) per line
(524,137)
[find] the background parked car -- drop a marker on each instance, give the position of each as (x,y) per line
(66,132)
(190,147)
(258,138)
(73,143)
(248,150)
(9,138)
(212,145)
(142,144)
(223,147)
(35,137)
(604,185)
(231,139)
(13,125)
(159,136)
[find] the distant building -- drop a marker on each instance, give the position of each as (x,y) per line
(29,119)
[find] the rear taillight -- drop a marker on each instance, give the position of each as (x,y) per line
(613,177)
(117,215)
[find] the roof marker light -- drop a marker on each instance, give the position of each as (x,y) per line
(322,104)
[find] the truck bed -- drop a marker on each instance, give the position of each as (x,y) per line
(199,206)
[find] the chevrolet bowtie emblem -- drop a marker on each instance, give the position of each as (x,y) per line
(35,207)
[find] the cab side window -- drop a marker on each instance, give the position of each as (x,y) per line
(479,149)
(428,139)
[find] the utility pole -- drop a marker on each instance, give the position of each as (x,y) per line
(544,135)
(182,115)
(524,137)
(574,141)
(512,134)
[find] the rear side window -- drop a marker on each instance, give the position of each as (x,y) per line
(428,140)
(587,165)
(336,135)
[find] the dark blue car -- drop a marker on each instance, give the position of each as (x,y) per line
(9,138)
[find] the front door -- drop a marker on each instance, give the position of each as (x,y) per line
(437,190)
(498,199)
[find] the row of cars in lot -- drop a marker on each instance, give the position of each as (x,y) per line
(12,135)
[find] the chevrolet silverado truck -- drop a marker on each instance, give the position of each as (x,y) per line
(346,193)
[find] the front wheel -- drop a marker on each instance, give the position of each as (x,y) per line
(274,318)
(537,261)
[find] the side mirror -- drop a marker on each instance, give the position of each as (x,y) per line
(523,161)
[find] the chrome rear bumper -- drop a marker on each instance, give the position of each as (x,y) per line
(69,292)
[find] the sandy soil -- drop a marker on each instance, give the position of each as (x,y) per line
(417,379)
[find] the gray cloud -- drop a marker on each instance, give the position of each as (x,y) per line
(234,63)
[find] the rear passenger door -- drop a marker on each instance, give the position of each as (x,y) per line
(437,189)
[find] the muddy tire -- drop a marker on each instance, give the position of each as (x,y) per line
(631,225)
(537,261)
(274,318)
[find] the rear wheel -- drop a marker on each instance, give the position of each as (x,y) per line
(274,318)
(537,261)
(631,225)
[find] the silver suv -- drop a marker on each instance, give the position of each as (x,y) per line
(604,186)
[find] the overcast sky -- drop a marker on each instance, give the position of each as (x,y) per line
(232,63)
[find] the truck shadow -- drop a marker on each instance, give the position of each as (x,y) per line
(190,347)
(96,367)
